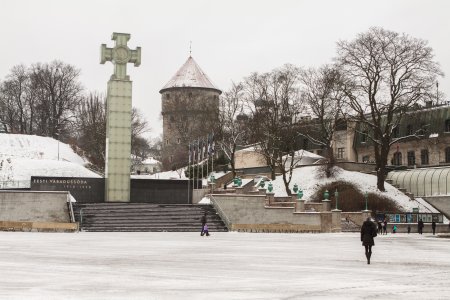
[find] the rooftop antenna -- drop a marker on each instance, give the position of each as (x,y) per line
(190,48)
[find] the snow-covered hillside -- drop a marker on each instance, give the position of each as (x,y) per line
(23,156)
(308,180)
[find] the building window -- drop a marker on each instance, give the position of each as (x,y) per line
(178,141)
(424,160)
(305,144)
(447,155)
(167,142)
(411,158)
(409,129)
(395,132)
(171,158)
(365,158)
(172,118)
(340,153)
(447,125)
(364,136)
(397,161)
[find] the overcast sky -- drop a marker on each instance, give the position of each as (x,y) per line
(230,39)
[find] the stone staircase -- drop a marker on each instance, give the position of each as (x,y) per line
(146,217)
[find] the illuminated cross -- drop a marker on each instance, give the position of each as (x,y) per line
(120,55)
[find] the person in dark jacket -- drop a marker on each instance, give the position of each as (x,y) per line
(433,226)
(380,227)
(204,220)
(385,226)
(420,226)
(368,232)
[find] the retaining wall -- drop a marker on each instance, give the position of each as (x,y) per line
(249,213)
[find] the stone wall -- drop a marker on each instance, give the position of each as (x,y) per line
(249,213)
(34,206)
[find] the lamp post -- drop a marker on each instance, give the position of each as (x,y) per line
(270,187)
(57,137)
(326,195)
(300,195)
(366,195)
(336,195)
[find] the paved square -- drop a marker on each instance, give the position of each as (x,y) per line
(222,266)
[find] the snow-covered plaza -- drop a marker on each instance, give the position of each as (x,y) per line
(222,266)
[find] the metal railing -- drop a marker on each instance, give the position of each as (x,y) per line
(222,215)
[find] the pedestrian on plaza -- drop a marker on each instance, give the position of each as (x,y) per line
(368,232)
(205,230)
(380,227)
(394,229)
(433,226)
(203,220)
(385,226)
(420,226)
(409,228)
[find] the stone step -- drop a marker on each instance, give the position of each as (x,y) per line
(146,217)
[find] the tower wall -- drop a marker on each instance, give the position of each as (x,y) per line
(188,114)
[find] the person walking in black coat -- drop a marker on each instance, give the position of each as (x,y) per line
(203,220)
(368,232)
(420,226)
(385,226)
(380,227)
(433,226)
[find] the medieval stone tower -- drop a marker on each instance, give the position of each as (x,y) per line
(190,110)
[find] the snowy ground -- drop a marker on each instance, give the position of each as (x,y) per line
(23,156)
(222,266)
(308,180)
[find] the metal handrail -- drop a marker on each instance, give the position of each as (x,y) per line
(72,216)
(219,210)
(81,219)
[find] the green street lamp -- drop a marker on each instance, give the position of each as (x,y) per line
(235,181)
(366,195)
(239,181)
(295,188)
(326,195)
(212,178)
(270,187)
(336,195)
(300,194)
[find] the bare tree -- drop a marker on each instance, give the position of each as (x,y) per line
(58,93)
(14,102)
(274,102)
(91,129)
(386,74)
(232,121)
(323,96)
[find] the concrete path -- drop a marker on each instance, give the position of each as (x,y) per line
(222,266)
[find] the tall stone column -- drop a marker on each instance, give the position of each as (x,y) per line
(118,118)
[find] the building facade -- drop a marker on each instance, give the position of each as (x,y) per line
(190,110)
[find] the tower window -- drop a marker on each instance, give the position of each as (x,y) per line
(178,141)
(167,142)
(167,96)
(395,132)
(340,153)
